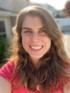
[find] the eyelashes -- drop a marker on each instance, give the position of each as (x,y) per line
(40,33)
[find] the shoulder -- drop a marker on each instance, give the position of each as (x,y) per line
(5,86)
(66,84)
(7,70)
(63,85)
(67,87)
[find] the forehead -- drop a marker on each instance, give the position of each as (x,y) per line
(32,21)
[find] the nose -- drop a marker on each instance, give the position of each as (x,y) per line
(35,37)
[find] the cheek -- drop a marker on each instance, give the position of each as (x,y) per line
(47,42)
(25,41)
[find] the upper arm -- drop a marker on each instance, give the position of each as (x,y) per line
(6,73)
(5,86)
(67,88)
(7,70)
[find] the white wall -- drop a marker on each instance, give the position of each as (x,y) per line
(12,4)
(19,4)
(6,4)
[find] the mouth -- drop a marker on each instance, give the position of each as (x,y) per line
(36,47)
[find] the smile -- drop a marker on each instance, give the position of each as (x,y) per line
(36,47)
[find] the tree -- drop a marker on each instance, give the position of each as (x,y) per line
(67,7)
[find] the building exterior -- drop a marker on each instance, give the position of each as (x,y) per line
(6,22)
(8,12)
(64,23)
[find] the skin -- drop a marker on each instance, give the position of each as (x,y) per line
(67,88)
(5,86)
(34,40)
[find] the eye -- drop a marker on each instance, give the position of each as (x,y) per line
(27,32)
(42,33)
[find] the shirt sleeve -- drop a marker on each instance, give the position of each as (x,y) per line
(6,71)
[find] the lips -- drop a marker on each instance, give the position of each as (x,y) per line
(36,47)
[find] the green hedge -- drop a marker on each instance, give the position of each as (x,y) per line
(3,49)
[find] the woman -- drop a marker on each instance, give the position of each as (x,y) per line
(39,62)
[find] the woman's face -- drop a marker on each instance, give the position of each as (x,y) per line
(34,40)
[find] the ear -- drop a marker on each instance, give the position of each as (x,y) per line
(5,86)
(67,88)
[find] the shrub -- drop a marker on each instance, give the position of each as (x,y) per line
(3,49)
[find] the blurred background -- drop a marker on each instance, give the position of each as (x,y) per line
(9,10)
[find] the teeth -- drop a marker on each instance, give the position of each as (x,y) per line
(36,47)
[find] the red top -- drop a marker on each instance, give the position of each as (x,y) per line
(7,72)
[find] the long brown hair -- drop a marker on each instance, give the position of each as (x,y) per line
(52,64)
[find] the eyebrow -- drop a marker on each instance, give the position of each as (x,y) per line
(43,27)
(26,28)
